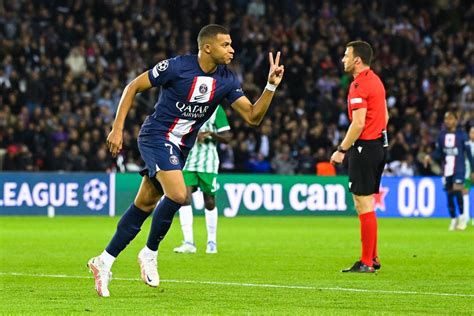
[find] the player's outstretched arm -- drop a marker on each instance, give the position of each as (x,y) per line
(115,138)
(253,113)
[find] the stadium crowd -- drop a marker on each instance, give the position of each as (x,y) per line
(65,64)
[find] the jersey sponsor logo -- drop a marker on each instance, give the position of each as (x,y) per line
(192,111)
(202,89)
(450,148)
(356,100)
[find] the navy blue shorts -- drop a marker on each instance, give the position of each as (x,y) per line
(457,178)
(158,153)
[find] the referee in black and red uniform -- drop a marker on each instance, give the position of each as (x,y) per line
(364,145)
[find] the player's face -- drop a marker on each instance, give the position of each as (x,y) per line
(450,121)
(221,49)
(348,60)
(471,134)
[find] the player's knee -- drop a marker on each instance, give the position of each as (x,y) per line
(363,205)
(178,197)
(209,203)
(188,200)
(147,204)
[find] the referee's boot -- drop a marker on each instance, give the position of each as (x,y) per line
(360,267)
(376,263)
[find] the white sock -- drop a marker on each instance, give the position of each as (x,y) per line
(107,259)
(466,207)
(186,219)
(211,223)
(150,253)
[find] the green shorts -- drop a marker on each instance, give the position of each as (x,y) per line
(467,184)
(207,182)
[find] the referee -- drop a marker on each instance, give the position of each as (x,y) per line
(364,144)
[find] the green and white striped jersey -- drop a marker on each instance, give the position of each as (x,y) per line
(468,165)
(203,156)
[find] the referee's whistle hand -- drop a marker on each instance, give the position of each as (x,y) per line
(337,158)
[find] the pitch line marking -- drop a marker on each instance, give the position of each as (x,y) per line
(301,287)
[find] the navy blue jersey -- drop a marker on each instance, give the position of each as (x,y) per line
(188,98)
(453,148)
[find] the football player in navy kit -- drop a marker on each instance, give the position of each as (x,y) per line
(452,148)
(192,86)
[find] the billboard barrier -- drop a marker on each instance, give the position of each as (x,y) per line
(57,194)
(414,197)
(239,194)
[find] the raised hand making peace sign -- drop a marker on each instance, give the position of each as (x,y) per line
(276,70)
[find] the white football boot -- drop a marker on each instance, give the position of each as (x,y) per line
(211,247)
(148,268)
(462,222)
(186,247)
(454,224)
(102,276)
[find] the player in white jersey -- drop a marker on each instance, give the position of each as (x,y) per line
(201,171)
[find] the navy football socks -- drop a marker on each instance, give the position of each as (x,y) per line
(161,222)
(127,228)
(451,206)
(460,201)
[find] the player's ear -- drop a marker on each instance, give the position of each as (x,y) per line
(207,48)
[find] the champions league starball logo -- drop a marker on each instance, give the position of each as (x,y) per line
(95,194)
(203,88)
(163,65)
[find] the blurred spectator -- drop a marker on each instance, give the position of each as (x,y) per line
(258,164)
(76,62)
(76,161)
(283,163)
(306,162)
(64,66)
(403,168)
(10,161)
(323,166)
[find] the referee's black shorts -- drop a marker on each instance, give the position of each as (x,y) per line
(366,161)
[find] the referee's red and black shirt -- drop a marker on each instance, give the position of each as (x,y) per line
(367,91)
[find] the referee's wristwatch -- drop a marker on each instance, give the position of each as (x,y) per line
(341,150)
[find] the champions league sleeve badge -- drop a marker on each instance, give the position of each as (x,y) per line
(163,65)
(160,67)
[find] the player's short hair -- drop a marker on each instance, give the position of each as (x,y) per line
(210,31)
(453,113)
(363,50)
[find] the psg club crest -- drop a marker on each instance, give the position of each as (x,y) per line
(203,88)
(174,160)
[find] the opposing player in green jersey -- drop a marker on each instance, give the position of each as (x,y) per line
(467,185)
(200,171)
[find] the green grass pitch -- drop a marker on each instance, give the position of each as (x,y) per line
(265,265)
